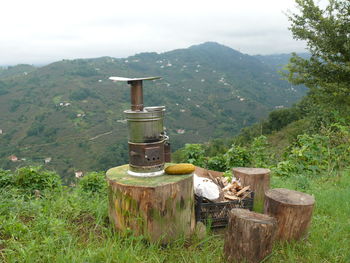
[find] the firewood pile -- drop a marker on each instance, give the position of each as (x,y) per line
(230,190)
(217,195)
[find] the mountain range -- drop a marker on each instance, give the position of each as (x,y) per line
(69,116)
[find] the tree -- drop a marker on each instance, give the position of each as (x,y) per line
(327,34)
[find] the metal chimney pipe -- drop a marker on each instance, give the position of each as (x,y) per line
(136,95)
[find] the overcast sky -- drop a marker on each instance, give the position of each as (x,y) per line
(43,31)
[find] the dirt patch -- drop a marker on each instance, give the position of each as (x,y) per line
(26,219)
(84,219)
(85,225)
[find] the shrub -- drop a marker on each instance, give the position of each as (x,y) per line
(260,156)
(32,178)
(6,178)
(217,163)
(194,153)
(93,182)
(237,156)
(316,154)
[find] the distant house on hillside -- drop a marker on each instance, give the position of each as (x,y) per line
(79,174)
(13,158)
(1,132)
(279,107)
(180,131)
(48,159)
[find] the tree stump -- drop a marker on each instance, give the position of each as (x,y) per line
(293,211)
(159,208)
(249,236)
(259,181)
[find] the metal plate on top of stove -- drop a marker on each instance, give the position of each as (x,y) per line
(132,79)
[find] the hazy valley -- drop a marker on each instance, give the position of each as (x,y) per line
(70,114)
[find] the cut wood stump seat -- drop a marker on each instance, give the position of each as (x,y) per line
(249,236)
(259,181)
(159,208)
(293,211)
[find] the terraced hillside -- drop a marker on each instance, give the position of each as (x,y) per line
(70,112)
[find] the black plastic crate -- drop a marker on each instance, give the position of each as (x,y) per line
(216,214)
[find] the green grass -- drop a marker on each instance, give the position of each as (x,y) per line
(71,226)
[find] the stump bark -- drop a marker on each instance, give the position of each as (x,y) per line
(259,181)
(293,211)
(249,236)
(159,208)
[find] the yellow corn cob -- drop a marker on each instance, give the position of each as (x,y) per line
(181,168)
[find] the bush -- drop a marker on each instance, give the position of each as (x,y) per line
(6,178)
(94,182)
(194,153)
(259,154)
(256,154)
(325,153)
(237,156)
(36,178)
(217,163)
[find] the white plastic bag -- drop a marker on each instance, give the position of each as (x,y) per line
(205,187)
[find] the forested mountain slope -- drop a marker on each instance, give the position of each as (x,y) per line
(70,112)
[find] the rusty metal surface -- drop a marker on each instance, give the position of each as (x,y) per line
(167,152)
(146,155)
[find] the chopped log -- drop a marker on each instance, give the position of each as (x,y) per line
(228,187)
(293,211)
(231,197)
(244,189)
(159,208)
(249,236)
(259,181)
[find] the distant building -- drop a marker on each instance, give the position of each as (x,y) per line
(1,132)
(182,110)
(13,158)
(180,131)
(279,107)
(48,159)
(79,174)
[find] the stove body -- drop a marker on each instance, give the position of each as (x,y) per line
(149,146)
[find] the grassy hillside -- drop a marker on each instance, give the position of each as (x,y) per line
(71,225)
(69,111)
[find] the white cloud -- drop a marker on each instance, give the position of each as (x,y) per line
(41,31)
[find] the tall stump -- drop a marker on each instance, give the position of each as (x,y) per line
(159,208)
(259,181)
(293,211)
(249,236)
